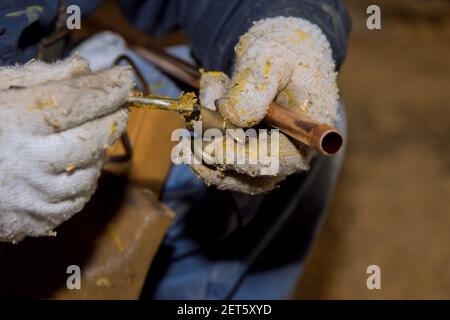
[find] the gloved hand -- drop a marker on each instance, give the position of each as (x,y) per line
(287,60)
(56,122)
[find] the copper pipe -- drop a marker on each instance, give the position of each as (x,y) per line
(327,140)
(173,66)
(324,138)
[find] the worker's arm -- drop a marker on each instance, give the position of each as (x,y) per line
(56,122)
(214,27)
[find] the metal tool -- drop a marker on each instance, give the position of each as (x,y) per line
(325,139)
(186,105)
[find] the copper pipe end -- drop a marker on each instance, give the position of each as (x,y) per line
(326,141)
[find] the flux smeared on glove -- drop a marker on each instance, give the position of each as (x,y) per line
(282,59)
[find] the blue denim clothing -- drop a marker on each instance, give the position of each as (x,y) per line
(213,27)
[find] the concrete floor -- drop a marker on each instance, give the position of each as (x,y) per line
(392,203)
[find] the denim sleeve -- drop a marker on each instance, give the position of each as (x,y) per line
(214,27)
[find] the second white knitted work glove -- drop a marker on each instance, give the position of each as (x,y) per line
(287,60)
(56,122)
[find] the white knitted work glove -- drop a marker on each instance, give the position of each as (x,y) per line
(55,123)
(287,60)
